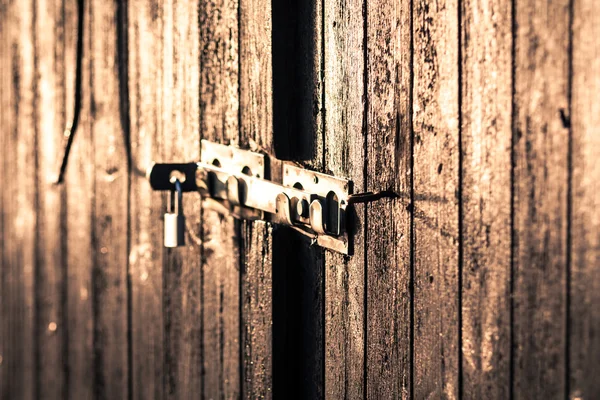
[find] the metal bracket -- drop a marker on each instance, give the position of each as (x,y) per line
(330,198)
(235,181)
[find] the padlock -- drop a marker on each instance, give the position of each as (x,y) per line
(174,219)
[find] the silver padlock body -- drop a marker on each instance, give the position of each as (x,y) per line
(174,230)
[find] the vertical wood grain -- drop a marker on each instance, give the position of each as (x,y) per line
(585,215)
(79,183)
(219,107)
(540,193)
(424,306)
(182,268)
(389,152)
(256,132)
(256,75)
(6,127)
(257,357)
(486,192)
(164,91)
(17,348)
(50,284)
(221,326)
(388,234)
(110,214)
(436,199)
(344,157)
(147,207)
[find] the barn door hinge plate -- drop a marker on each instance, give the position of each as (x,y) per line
(237,182)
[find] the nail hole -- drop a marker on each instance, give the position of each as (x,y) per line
(247,171)
(216,163)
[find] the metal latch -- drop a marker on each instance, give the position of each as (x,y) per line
(235,181)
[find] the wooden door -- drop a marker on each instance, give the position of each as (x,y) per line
(476,277)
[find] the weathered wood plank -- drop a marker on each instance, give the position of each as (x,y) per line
(540,152)
(221,300)
(585,215)
(17,351)
(219,107)
(180,129)
(436,202)
(256,75)
(220,68)
(486,193)
(146,254)
(6,128)
(256,311)
(256,132)
(388,234)
(344,156)
(50,272)
(79,183)
(111,212)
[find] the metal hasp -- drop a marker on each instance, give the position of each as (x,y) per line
(235,181)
